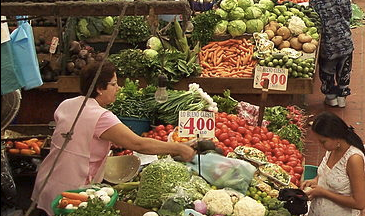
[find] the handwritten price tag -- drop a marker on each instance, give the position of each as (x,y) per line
(278,77)
(54,44)
(192,123)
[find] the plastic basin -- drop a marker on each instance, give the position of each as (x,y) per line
(137,125)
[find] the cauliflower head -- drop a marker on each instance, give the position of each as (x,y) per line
(218,202)
(248,207)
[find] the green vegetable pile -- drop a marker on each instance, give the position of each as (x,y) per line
(95,207)
(88,27)
(204,25)
(159,178)
(131,100)
(226,103)
(134,29)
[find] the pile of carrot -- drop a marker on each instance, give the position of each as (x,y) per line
(72,198)
(229,58)
(25,147)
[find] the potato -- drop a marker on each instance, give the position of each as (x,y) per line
(274,23)
(277,40)
(309,47)
(303,38)
(284,44)
(270,34)
(284,32)
(271,27)
(295,44)
(315,42)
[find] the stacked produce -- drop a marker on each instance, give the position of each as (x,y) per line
(229,58)
(24,147)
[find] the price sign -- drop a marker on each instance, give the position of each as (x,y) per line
(54,44)
(192,123)
(278,77)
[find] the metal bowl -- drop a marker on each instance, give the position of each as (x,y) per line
(119,169)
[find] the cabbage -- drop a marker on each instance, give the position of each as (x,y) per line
(228,5)
(236,28)
(221,27)
(82,28)
(269,5)
(150,53)
(108,23)
(253,12)
(254,25)
(236,14)
(245,3)
(154,43)
(222,13)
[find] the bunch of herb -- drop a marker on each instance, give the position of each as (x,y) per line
(293,134)
(95,207)
(226,103)
(131,100)
(133,63)
(134,29)
(277,116)
(204,24)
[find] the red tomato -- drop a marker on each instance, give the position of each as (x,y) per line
(232,117)
(241,130)
(259,147)
(292,163)
(256,130)
(255,140)
(218,125)
(275,140)
(249,137)
(245,141)
(164,138)
(241,122)
(158,137)
(257,135)
(162,133)
(223,136)
(269,135)
(263,136)
(218,132)
(227,142)
(160,127)
(169,127)
(150,132)
(297,176)
(280,163)
(264,130)
(281,158)
(286,167)
(234,126)
(233,144)
(298,169)
(285,142)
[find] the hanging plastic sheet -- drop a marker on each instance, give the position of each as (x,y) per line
(24,53)
(8,188)
(11,80)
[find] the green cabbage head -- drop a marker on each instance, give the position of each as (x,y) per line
(228,5)
(221,27)
(154,43)
(253,12)
(222,13)
(150,53)
(254,25)
(245,3)
(236,14)
(236,28)
(268,4)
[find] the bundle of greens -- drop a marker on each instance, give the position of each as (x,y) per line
(293,134)
(226,103)
(277,116)
(195,99)
(88,27)
(134,29)
(204,25)
(131,100)
(95,207)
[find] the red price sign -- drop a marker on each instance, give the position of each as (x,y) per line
(192,123)
(278,77)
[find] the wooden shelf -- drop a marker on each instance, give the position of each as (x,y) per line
(210,85)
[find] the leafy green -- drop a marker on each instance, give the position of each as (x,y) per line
(226,103)
(131,100)
(134,29)
(277,116)
(204,25)
(293,134)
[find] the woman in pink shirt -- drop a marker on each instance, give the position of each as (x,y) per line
(81,162)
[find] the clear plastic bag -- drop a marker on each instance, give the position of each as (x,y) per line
(224,172)
(8,187)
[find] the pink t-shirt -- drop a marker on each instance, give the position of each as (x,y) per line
(98,146)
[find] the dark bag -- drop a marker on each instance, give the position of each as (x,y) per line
(295,200)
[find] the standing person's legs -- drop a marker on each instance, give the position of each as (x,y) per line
(343,79)
(327,75)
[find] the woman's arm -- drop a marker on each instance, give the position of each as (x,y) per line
(122,136)
(355,170)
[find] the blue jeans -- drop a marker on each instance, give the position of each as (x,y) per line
(335,75)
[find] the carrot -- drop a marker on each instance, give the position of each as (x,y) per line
(76,196)
(238,61)
(21,145)
(40,143)
(36,148)
(14,151)
(224,43)
(74,202)
(210,45)
(63,203)
(27,151)
(205,64)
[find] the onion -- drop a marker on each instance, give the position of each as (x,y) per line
(80,63)
(70,66)
(75,47)
(83,53)
(99,56)
(200,206)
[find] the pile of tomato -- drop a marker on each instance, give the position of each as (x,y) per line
(233,131)
(160,132)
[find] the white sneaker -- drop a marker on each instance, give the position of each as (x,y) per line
(331,102)
(341,101)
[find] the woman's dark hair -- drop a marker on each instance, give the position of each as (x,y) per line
(329,125)
(88,73)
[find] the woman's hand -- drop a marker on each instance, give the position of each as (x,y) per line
(186,152)
(308,183)
(316,191)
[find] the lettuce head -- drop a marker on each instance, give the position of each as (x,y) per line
(236,28)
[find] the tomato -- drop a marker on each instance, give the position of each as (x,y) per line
(234,126)
(275,140)
(298,169)
(164,138)
(286,167)
(233,144)
(169,127)
(158,137)
(299,156)
(257,135)
(249,137)
(255,140)
(227,142)
(150,132)
(218,132)
(259,147)
(297,176)
(245,141)
(256,130)
(241,122)
(263,136)
(269,135)
(277,152)
(264,130)
(280,163)
(162,133)
(232,117)
(223,136)
(281,158)
(292,163)
(285,142)
(160,127)
(218,125)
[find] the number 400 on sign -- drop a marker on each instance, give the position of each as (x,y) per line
(193,123)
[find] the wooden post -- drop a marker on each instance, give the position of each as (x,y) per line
(265,90)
